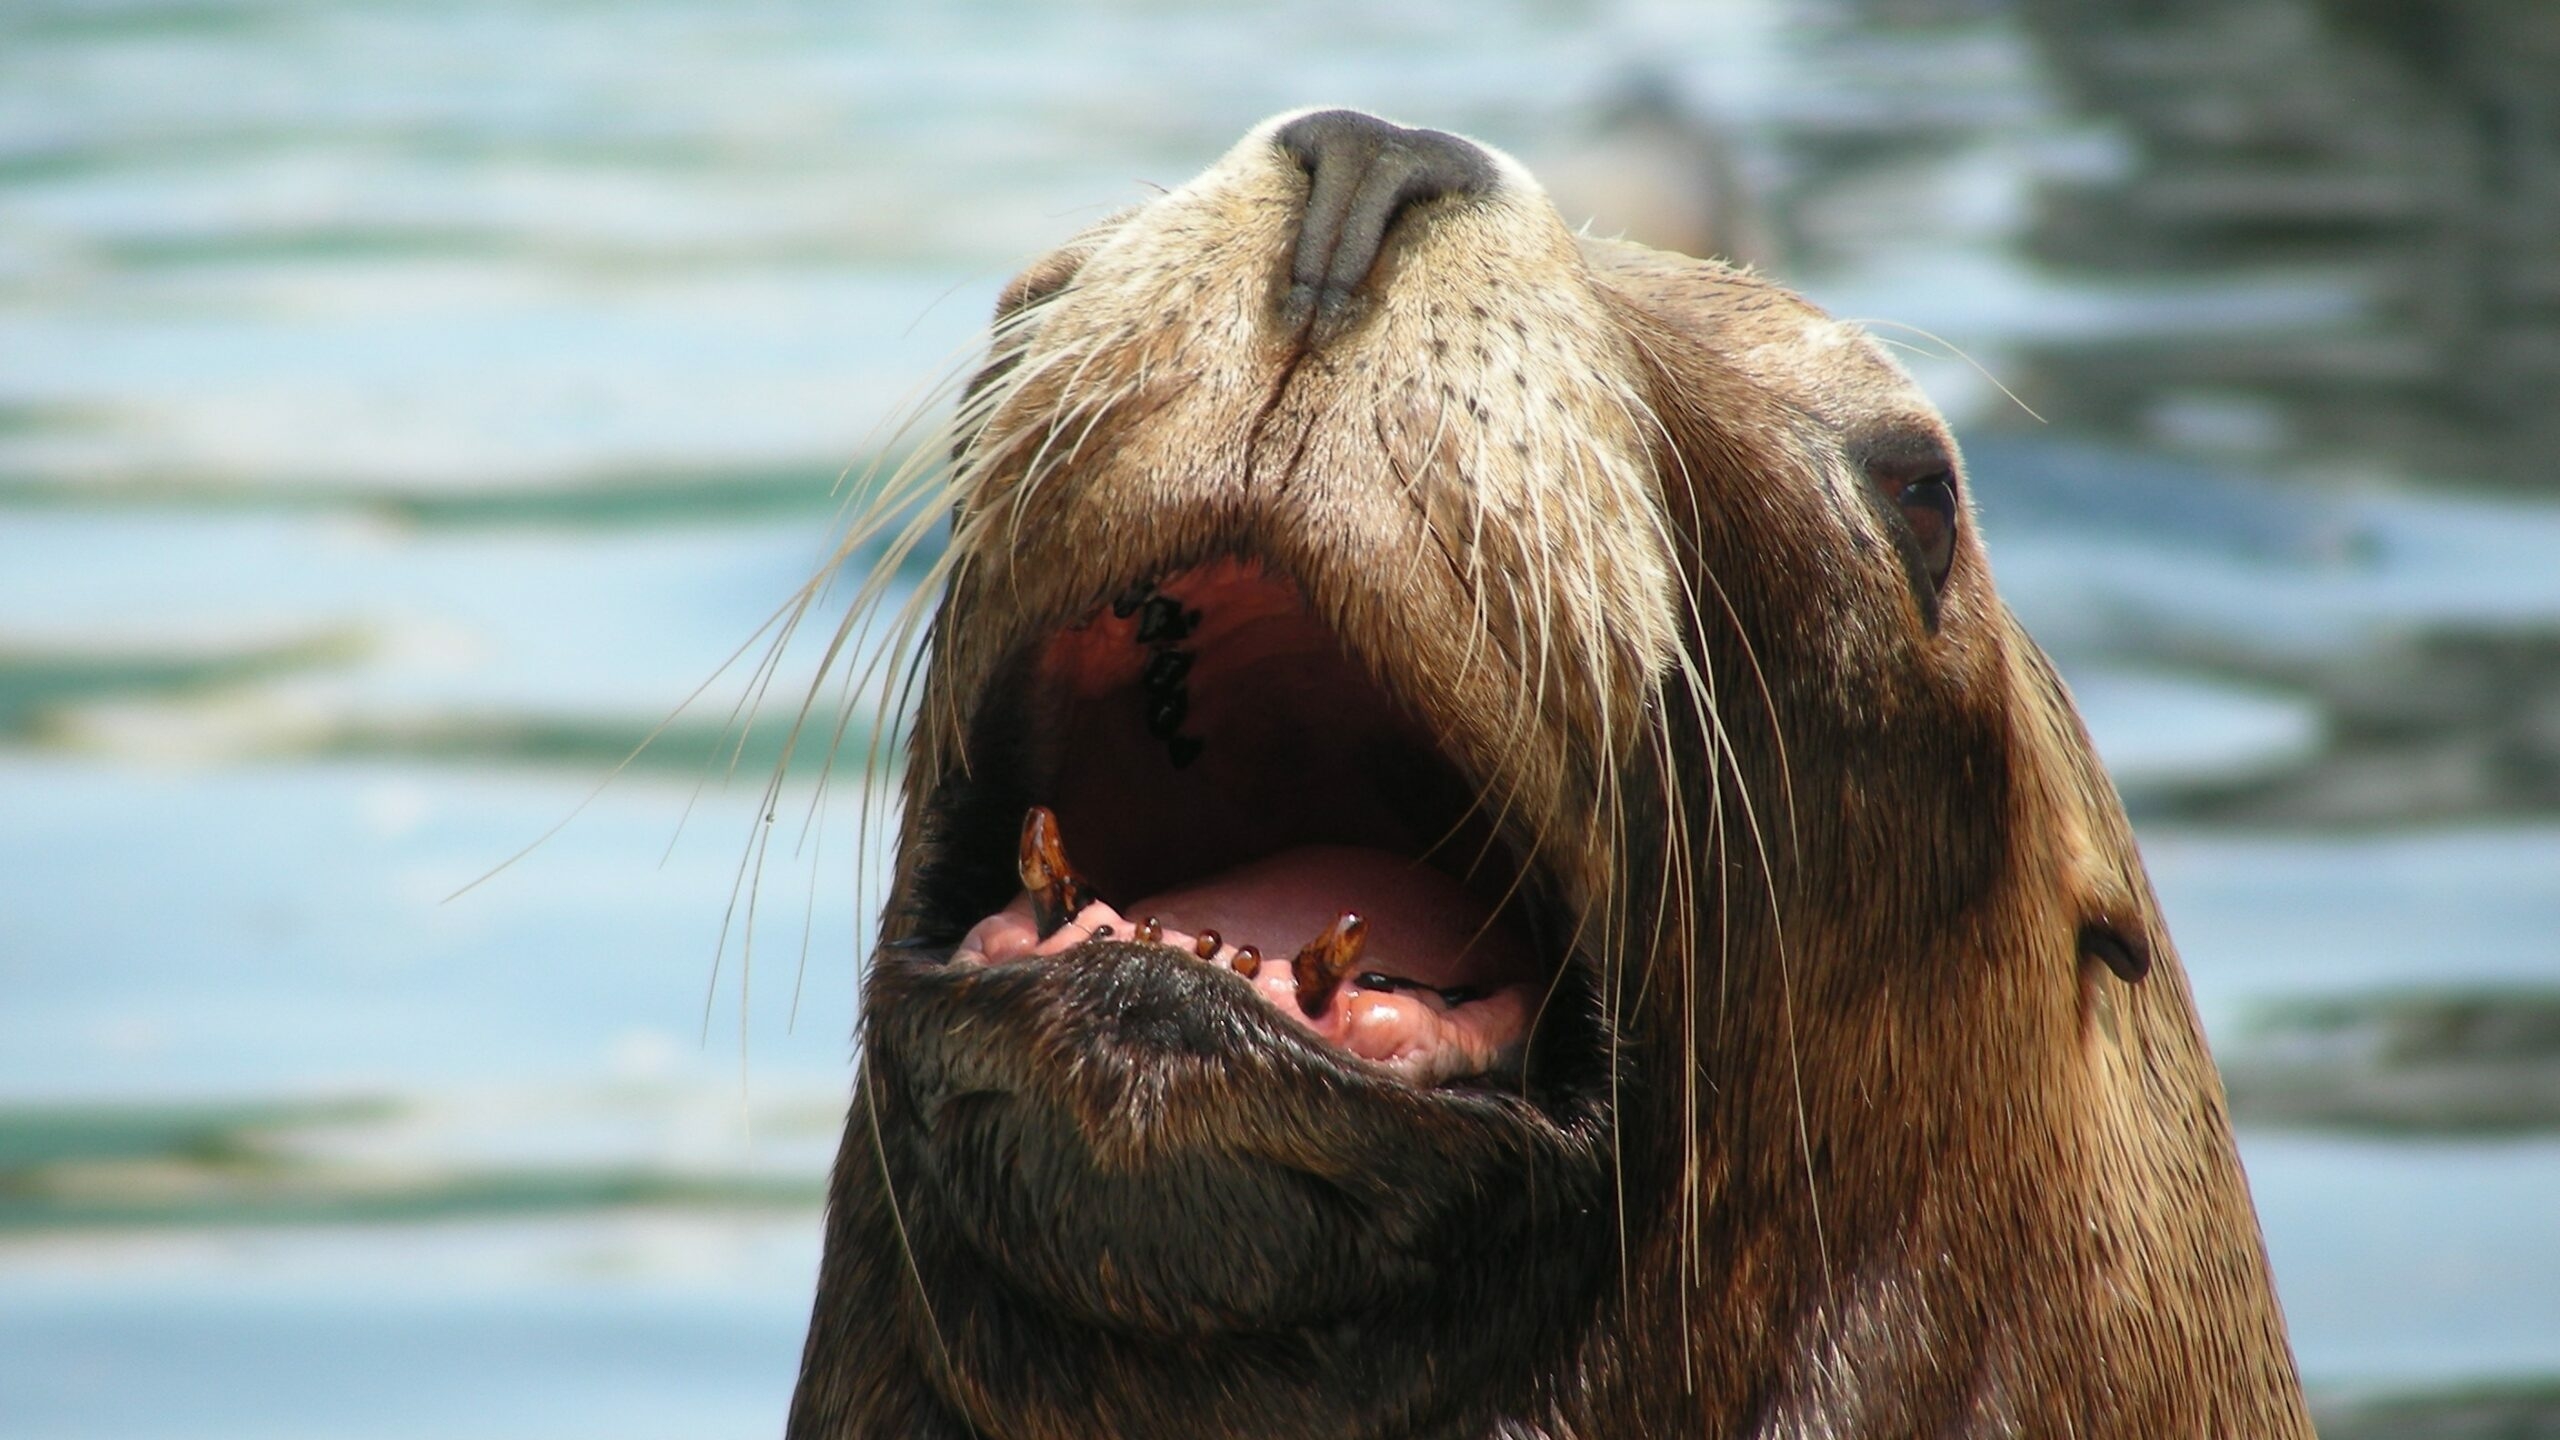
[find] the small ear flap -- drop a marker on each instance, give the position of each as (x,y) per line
(2102,869)
(2124,949)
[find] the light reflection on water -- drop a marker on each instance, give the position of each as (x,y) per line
(270,272)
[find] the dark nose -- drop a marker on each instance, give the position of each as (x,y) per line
(1363,174)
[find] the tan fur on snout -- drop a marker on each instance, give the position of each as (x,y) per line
(1886,1150)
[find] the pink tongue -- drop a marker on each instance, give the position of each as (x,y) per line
(1422,925)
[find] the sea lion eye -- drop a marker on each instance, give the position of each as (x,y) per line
(1928,506)
(1915,481)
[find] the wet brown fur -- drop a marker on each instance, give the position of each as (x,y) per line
(1884,1153)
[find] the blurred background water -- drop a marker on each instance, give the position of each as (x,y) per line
(404,407)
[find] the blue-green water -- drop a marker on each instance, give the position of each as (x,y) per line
(403,407)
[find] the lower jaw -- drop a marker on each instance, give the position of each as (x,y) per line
(1253,1278)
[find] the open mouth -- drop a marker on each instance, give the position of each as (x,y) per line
(1203,769)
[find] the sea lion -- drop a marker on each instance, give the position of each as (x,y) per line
(1480,858)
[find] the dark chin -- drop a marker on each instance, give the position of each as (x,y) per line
(1108,1160)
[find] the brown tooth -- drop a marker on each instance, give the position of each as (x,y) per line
(1248,961)
(1057,891)
(1206,945)
(1149,931)
(1320,966)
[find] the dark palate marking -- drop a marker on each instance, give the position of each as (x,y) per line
(1163,623)
(1126,603)
(1163,618)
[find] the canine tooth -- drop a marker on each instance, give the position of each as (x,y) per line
(1205,945)
(1149,931)
(1248,961)
(1320,966)
(1057,891)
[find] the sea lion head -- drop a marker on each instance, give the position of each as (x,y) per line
(1481,856)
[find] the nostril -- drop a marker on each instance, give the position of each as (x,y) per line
(1363,174)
